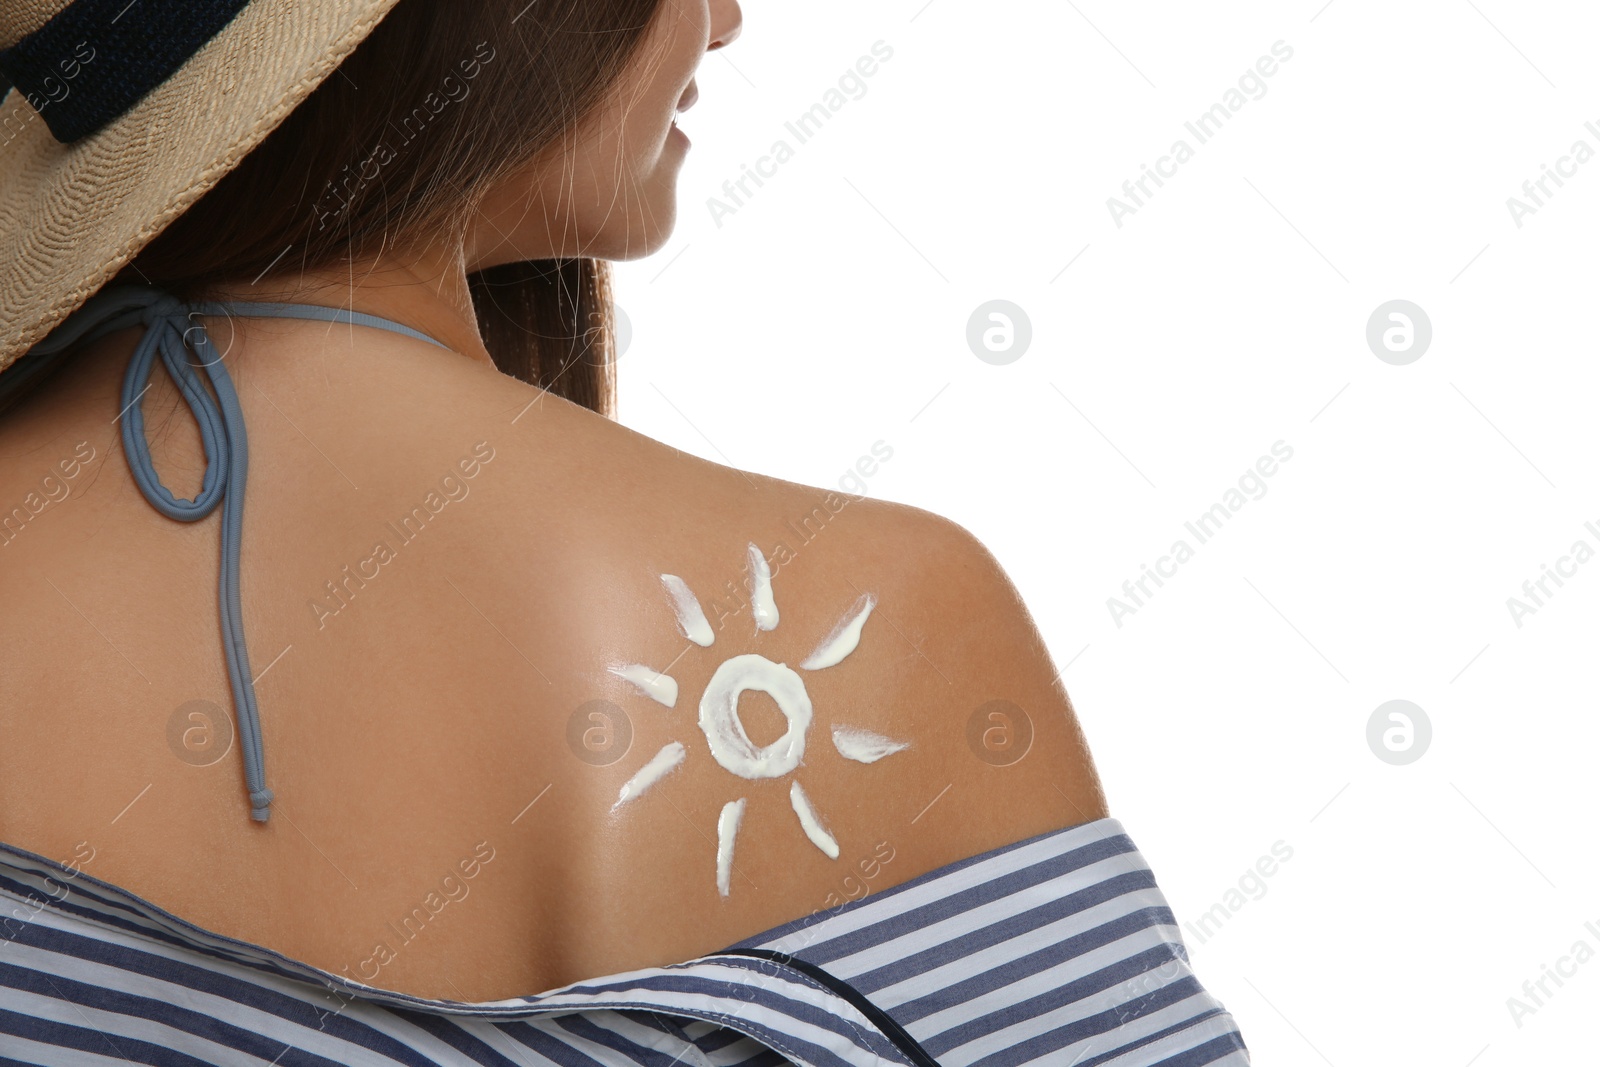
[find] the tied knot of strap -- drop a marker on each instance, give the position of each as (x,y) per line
(165,308)
(260,803)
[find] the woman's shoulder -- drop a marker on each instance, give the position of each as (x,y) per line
(775,683)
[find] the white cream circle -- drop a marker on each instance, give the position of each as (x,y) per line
(725,733)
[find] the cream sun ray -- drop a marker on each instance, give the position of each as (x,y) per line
(661,688)
(844,637)
(727,830)
(691,618)
(662,763)
(864,746)
(808,821)
(762,606)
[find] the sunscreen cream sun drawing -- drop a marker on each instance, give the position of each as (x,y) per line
(725,734)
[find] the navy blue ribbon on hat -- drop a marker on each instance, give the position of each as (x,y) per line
(95,59)
(172,332)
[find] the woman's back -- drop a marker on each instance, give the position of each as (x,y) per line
(576,749)
(439,572)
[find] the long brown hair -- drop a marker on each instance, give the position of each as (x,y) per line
(438,102)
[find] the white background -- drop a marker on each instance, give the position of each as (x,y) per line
(1229,312)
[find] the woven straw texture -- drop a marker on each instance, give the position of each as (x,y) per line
(25,16)
(71,216)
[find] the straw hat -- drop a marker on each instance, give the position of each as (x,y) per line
(123,113)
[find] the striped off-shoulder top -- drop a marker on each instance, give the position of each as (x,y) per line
(1058,950)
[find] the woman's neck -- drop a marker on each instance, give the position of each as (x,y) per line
(427,292)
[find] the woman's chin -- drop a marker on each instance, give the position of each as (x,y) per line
(649,228)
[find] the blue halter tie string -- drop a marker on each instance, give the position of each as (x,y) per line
(171,331)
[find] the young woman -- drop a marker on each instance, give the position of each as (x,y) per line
(489,731)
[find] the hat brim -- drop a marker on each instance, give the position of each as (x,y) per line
(73,215)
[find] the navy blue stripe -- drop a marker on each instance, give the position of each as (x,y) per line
(1159,1035)
(327,1018)
(201,1024)
(1081,989)
(97,58)
(717,1040)
(793,1044)
(1016,926)
(993,856)
(588,1029)
(1210,1052)
(765,1058)
(744,1027)
(550,1045)
(1015,970)
(48,1032)
(656,1021)
(97,901)
(457,1033)
(766,997)
(1053,1040)
(970,899)
(112,906)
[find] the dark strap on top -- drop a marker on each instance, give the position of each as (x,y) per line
(876,1015)
(171,331)
(95,59)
